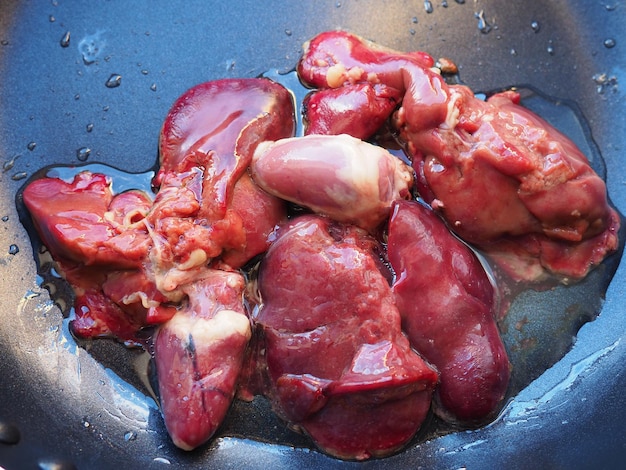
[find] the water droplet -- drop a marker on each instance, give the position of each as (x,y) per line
(130,436)
(5,218)
(288,32)
(91,47)
(550,49)
(460,2)
(535,26)
(428,6)
(77,96)
(9,434)
(89,127)
(14,249)
(444,3)
(513,52)
(65,40)
(86,423)
(338,5)
(82,154)
(19,176)
(31,146)
(414,20)
(144,72)
(4,42)
(153,87)
(609,43)
(483,26)
(412,31)
(114,81)
(161,460)
(52,19)
(8,165)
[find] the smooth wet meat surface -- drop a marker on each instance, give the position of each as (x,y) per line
(340,176)
(448,308)
(339,366)
(199,355)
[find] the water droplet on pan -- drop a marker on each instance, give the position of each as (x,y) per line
(114,81)
(153,87)
(535,26)
(161,460)
(31,146)
(91,47)
(428,6)
(483,25)
(82,154)
(14,249)
(130,436)
(9,164)
(609,43)
(89,127)
(65,40)
(19,176)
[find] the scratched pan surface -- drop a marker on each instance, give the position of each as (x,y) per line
(69,405)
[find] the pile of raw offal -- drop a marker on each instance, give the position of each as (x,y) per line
(364,310)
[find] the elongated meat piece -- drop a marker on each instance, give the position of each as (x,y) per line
(198,355)
(339,176)
(447,306)
(339,366)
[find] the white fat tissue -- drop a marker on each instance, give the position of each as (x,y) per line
(225,324)
(145,300)
(453,111)
(335,75)
(197,257)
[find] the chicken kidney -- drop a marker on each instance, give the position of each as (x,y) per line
(503,178)
(339,366)
(448,308)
